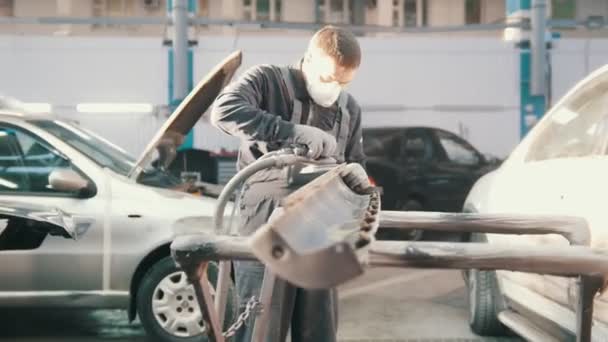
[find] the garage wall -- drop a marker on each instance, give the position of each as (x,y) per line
(573,59)
(65,71)
(466,85)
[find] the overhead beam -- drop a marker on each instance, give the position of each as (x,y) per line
(242,23)
(126,21)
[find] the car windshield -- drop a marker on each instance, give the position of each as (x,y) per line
(578,127)
(88,143)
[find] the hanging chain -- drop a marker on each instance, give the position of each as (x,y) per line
(251,307)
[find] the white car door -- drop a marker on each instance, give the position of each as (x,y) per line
(58,264)
(562,169)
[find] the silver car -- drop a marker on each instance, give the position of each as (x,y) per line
(121,258)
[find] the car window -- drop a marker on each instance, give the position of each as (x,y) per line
(576,128)
(456,151)
(381,143)
(91,145)
(417,147)
(26,162)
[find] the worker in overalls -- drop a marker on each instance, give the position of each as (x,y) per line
(270,107)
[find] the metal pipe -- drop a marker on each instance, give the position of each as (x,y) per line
(542,259)
(588,286)
(190,250)
(275,159)
(236,181)
(198,277)
(574,229)
(232,185)
(221,289)
(260,327)
(180,49)
(538,48)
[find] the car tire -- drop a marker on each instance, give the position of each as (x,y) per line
(484,303)
(484,299)
(163,291)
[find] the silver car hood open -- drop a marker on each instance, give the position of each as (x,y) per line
(188,113)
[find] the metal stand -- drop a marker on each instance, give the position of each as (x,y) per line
(260,327)
(588,287)
(221,290)
(578,260)
(198,277)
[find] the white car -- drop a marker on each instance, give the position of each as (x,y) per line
(560,168)
(122,258)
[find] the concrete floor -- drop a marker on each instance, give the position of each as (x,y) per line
(412,305)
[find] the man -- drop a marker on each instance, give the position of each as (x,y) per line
(270,107)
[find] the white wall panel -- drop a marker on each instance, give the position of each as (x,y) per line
(573,59)
(65,71)
(461,84)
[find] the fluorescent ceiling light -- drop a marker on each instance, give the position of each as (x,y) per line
(512,34)
(37,107)
(114,107)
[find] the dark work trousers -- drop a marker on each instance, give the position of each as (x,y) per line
(312,315)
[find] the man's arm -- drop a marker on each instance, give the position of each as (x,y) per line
(237,111)
(354,148)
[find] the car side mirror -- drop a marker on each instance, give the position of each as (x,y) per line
(68,180)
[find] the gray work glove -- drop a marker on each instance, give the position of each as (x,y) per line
(319,143)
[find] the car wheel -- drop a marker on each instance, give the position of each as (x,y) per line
(167,305)
(484,299)
(484,303)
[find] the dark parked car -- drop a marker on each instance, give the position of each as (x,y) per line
(421,168)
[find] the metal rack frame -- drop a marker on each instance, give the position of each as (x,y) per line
(193,253)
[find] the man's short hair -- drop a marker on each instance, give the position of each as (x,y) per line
(340,44)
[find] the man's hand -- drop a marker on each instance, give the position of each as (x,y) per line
(319,143)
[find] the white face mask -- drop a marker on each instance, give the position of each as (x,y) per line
(324,94)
